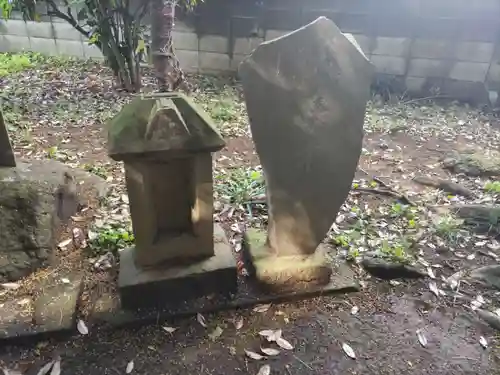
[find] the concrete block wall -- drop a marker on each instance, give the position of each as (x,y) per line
(48,37)
(452,45)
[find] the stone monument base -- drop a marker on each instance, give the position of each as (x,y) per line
(285,274)
(165,287)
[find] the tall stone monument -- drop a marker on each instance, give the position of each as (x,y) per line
(166,145)
(306,94)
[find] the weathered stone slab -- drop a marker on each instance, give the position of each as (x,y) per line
(306,94)
(170,284)
(52,312)
(35,198)
(7,158)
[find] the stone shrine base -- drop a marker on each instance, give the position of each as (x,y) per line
(163,287)
(294,274)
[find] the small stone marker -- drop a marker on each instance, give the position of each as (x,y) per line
(7,158)
(166,145)
(306,95)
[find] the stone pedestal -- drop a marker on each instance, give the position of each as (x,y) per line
(161,287)
(166,144)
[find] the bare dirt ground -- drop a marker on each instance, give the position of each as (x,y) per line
(57,109)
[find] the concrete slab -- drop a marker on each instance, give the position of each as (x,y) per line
(161,287)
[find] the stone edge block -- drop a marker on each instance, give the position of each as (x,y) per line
(185,40)
(64,31)
(214,62)
(428,68)
(469,71)
(13,27)
(40,29)
(189,60)
(44,46)
(23,331)
(213,43)
(389,64)
(72,48)
(14,43)
(398,47)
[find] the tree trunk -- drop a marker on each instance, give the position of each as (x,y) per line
(166,66)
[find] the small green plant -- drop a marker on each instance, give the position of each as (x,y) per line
(110,239)
(396,251)
(447,227)
(492,187)
(224,111)
(52,152)
(14,63)
(399,210)
(240,186)
(98,170)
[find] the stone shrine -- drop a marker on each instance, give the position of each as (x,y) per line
(306,93)
(166,145)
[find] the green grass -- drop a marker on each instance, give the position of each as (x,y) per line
(448,227)
(492,187)
(110,239)
(12,63)
(240,185)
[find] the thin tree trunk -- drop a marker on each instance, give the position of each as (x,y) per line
(167,70)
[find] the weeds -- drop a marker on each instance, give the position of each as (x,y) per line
(492,187)
(110,239)
(96,169)
(447,227)
(240,186)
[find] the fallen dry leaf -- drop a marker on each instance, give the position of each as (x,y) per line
(10,286)
(421,338)
(264,370)
(82,328)
(238,323)
(270,351)
(130,367)
(284,343)
(201,319)
(433,288)
(348,350)
(56,368)
(62,245)
(483,342)
(45,368)
(254,355)
(216,333)
(169,329)
(261,308)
